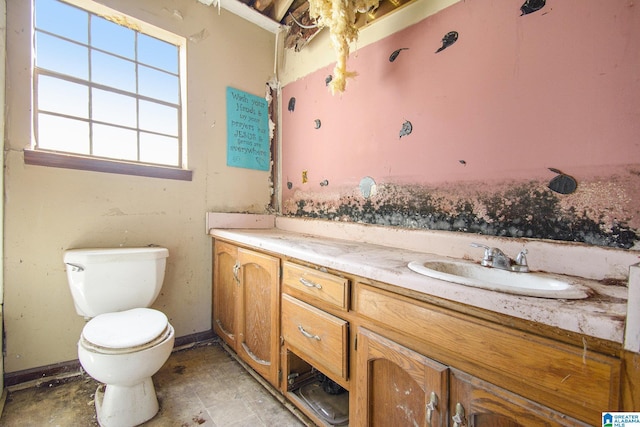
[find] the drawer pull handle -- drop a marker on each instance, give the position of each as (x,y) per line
(307,334)
(236,269)
(458,418)
(431,406)
(310,284)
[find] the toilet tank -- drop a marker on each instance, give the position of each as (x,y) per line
(114,279)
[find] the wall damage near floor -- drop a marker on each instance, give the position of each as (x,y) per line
(600,212)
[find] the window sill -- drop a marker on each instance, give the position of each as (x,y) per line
(69,161)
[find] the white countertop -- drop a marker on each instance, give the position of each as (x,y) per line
(601,316)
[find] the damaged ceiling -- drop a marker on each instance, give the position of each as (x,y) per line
(293,16)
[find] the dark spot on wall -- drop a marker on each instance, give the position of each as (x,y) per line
(525,210)
(406,129)
(301,205)
(450,38)
(395,53)
(531,6)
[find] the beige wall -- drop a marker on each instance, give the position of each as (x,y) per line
(3,37)
(48,210)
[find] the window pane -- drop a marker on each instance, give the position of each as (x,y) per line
(158,118)
(159,149)
(57,133)
(62,56)
(74,26)
(115,143)
(63,97)
(112,71)
(158,53)
(113,108)
(113,38)
(158,85)
(105,89)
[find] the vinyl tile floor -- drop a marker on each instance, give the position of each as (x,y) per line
(198,386)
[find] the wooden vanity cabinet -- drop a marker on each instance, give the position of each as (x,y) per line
(408,361)
(226,288)
(259,313)
(477,403)
(397,386)
(315,287)
(308,326)
(516,368)
(316,336)
(246,301)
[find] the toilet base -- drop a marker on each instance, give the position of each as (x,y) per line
(120,406)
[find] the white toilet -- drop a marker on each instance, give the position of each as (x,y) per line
(125,342)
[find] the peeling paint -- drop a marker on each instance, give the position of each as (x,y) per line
(114,212)
(122,20)
(199,36)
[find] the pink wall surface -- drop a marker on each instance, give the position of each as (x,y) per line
(513,96)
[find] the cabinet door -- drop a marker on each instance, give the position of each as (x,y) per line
(396,386)
(258,328)
(477,403)
(225,291)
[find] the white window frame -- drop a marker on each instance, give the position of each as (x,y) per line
(43,157)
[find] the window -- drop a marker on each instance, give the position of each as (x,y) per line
(108,90)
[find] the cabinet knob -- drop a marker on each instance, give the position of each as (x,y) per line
(458,418)
(431,406)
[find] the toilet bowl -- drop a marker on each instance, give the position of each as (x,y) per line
(123,350)
(125,342)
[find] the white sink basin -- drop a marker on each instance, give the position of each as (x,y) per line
(529,284)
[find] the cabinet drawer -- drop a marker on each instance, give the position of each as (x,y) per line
(321,337)
(306,282)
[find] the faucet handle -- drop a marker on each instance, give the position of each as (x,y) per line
(521,262)
(488,253)
(521,259)
(478,245)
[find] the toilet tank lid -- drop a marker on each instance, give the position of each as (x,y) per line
(111,254)
(125,329)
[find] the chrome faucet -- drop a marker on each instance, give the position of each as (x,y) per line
(494,257)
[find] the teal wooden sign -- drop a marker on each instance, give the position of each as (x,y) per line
(247,131)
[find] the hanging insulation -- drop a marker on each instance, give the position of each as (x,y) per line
(340,17)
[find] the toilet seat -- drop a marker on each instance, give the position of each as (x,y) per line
(125,331)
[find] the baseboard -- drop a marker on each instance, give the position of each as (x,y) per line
(43,373)
(58,371)
(196,338)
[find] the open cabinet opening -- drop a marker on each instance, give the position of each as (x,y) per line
(321,397)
